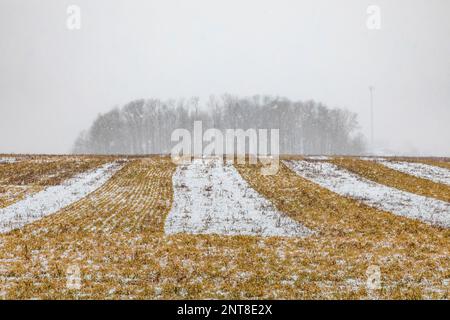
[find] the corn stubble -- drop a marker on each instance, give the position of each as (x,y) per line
(33,174)
(392,178)
(116,238)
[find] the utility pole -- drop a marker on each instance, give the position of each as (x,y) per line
(371,119)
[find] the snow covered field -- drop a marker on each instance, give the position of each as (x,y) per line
(54,198)
(117,234)
(372,158)
(382,197)
(318,158)
(8,160)
(211,197)
(425,171)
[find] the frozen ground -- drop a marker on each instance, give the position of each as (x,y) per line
(8,160)
(372,158)
(318,158)
(54,198)
(382,197)
(211,197)
(435,174)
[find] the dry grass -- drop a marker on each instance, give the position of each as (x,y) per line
(115,235)
(32,174)
(437,163)
(442,162)
(10,193)
(100,231)
(381,174)
(46,171)
(131,201)
(413,256)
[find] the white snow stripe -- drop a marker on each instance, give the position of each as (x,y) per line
(211,197)
(435,174)
(54,198)
(8,160)
(318,157)
(372,158)
(371,193)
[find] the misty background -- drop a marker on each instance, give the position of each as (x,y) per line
(54,81)
(146,126)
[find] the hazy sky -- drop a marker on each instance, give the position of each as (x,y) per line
(53,81)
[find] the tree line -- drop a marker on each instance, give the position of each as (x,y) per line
(145,126)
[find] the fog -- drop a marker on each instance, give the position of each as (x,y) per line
(54,81)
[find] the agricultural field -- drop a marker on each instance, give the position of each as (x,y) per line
(95,227)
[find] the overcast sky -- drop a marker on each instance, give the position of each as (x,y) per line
(54,81)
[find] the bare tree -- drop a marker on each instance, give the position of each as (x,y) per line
(144,126)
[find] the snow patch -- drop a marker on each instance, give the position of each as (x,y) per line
(54,198)
(318,158)
(371,193)
(372,159)
(435,174)
(211,197)
(8,160)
